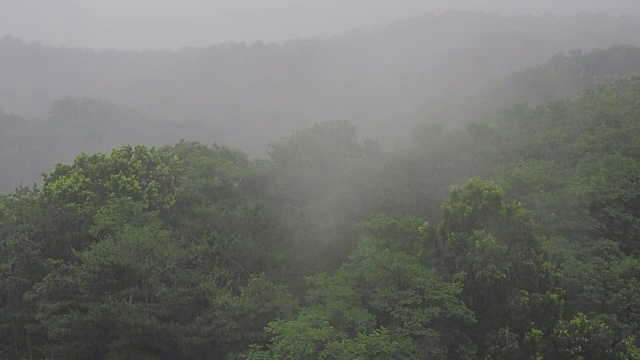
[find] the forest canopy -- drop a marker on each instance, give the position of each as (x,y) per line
(332,248)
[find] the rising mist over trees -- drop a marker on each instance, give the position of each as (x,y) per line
(451,68)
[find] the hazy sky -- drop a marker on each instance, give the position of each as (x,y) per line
(171,24)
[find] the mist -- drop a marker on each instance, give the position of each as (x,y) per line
(147,24)
(332,179)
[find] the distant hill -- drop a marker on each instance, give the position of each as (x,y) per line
(564,76)
(257,93)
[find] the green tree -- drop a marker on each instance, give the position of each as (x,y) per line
(138,173)
(135,296)
(585,339)
(489,246)
(382,304)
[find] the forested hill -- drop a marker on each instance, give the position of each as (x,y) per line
(562,77)
(257,93)
(510,239)
(566,75)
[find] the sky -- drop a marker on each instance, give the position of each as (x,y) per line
(172,24)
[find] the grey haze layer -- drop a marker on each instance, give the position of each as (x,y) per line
(164,24)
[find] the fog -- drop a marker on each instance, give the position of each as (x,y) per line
(408,67)
(162,24)
(336,179)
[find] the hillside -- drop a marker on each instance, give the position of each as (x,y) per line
(563,77)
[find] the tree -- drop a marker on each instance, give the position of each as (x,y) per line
(587,339)
(138,173)
(489,246)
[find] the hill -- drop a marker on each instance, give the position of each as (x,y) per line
(257,93)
